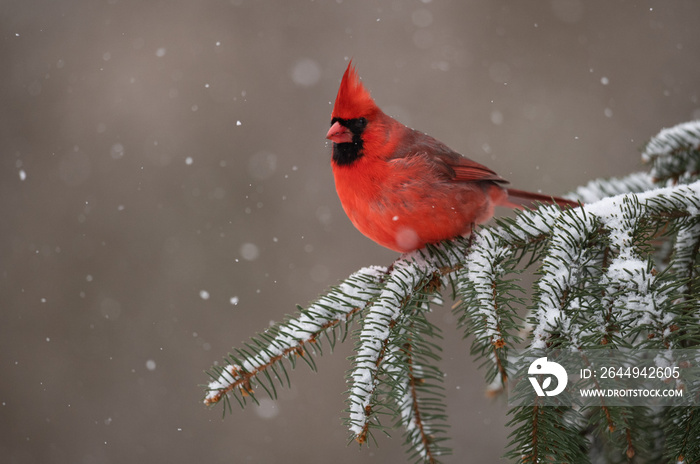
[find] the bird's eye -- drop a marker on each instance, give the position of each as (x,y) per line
(362,121)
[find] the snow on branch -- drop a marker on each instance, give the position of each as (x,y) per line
(561,270)
(622,270)
(292,337)
(477,285)
(384,318)
(603,188)
(675,153)
(395,369)
(686,250)
(486,301)
(585,253)
(417,386)
(619,278)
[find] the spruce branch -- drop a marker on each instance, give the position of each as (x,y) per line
(386,320)
(418,390)
(603,188)
(681,426)
(620,272)
(487,301)
(292,338)
(551,435)
(675,153)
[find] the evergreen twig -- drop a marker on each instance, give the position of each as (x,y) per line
(622,271)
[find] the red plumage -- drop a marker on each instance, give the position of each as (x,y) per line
(403,188)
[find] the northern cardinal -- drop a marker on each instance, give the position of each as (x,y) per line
(402,188)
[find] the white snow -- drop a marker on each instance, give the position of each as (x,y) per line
(249,251)
(267,408)
(480,273)
(116,151)
(670,148)
(352,293)
(405,400)
(384,312)
(598,189)
(626,270)
(306,72)
(669,139)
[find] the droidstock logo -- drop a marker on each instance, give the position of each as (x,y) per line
(542,367)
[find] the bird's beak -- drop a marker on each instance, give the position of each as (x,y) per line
(339,133)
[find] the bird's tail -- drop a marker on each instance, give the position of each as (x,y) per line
(523,199)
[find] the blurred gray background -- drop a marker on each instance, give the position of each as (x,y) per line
(165,193)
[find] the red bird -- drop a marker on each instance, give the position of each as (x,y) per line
(403,188)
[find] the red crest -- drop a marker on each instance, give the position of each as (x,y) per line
(353,100)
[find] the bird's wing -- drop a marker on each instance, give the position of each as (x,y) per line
(452,165)
(467,170)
